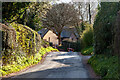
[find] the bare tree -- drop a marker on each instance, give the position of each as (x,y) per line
(60,15)
(82,10)
(86,10)
(81,7)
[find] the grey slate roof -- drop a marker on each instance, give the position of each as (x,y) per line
(43,31)
(66,33)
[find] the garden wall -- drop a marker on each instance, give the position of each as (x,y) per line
(18,39)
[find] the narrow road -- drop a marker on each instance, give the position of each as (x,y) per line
(58,65)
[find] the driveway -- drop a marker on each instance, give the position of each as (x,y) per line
(58,65)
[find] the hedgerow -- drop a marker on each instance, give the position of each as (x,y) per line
(87,36)
(105,65)
(87,51)
(104,27)
(105,61)
(21,47)
(23,62)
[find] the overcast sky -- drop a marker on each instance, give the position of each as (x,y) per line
(67,1)
(64,1)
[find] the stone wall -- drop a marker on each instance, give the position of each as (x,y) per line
(18,39)
(8,37)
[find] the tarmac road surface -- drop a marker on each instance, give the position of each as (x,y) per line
(58,65)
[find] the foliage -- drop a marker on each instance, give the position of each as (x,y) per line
(28,39)
(87,36)
(44,43)
(67,44)
(19,40)
(104,27)
(87,51)
(26,13)
(22,47)
(105,65)
(23,62)
(10,9)
(117,36)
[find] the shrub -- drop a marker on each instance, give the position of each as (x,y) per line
(2,73)
(87,51)
(104,27)
(37,57)
(87,37)
(22,47)
(25,61)
(18,38)
(105,66)
(67,44)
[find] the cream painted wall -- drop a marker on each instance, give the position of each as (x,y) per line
(52,36)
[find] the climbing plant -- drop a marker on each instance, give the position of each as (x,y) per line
(21,39)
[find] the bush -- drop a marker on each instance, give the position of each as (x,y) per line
(25,61)
(105,66)
(22,47)
(18,38)
(67,44)
(87,37)
(87,51)
(104,27)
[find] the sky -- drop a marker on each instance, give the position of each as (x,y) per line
(67,1)
(64,1)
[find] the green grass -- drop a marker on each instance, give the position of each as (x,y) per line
(87,51)
(23,62)
(105,65)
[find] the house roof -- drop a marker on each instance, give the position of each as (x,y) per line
(43,31)
(66,33)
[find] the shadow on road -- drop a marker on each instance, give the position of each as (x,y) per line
(70,67)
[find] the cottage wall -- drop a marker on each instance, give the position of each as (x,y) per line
(51,37)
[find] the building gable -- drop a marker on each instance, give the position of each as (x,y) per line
(51,37)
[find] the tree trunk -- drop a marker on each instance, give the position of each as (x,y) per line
(89,14)
(59,38)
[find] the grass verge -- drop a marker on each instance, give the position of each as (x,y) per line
(105,65)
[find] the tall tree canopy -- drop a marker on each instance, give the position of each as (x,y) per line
(26,13)
(104,27)
(11,9)
(87,11)
(60,15)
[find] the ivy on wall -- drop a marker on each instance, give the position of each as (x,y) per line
(19,40)
(26,38)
